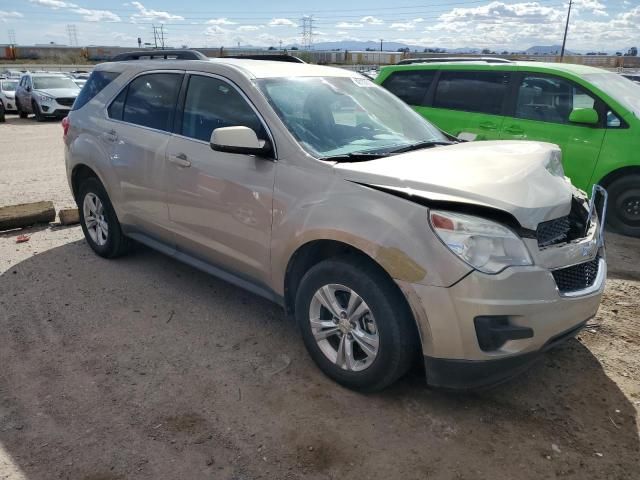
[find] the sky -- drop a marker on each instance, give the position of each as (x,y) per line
(512,25)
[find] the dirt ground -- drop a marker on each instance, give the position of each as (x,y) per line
(144,368)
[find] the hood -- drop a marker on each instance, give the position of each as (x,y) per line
(60,92)
(507,175)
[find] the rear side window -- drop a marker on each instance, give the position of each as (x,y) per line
(95,84)
(150,101)
(410,86)
(482,92)
(211,103)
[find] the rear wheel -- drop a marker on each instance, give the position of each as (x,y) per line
(355,323)
(36,111)
(99,221)
(2,117)
(21,113)
(624,205)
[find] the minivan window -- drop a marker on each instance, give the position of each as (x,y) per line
(550,99)
(151,100)
(410,85)
(96,83)
(482,92)
(211,103)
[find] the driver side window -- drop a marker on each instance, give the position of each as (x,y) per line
(211,103)
(550,99)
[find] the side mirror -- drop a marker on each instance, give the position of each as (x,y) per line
(587,116)
(28,89)
(242,140)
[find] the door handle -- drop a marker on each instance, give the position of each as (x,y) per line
(180,160)
(488,126)
(514,130)
(110,136)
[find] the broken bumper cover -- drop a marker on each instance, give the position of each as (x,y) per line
(527,313)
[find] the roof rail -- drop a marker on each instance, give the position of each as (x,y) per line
(150,54)
(409,61)
(276,57)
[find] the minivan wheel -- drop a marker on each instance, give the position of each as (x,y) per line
(99,221)
(21,113)
(624,205)
(355,323)
(36,111)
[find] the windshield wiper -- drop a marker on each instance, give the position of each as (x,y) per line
(355,157)
(420,145)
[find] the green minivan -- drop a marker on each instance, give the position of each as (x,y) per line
(592,114)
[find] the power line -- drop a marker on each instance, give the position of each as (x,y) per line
(12,36)
(158,36)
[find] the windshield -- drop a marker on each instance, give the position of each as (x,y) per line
(332,116)
(621,89)
(8,85)
(45,83)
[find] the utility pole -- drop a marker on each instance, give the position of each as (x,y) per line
(307,31)
(73,35)
(566,29)
(381,40)
(12,37)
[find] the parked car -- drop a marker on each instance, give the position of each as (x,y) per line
(321,191)
(45,95)
(594,116)
(7,94)
(634,77)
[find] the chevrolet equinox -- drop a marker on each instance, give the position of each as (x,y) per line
(321,191)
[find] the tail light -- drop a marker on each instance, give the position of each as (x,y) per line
(65,127)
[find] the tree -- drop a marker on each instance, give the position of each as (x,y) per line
(271,48)
(294,48)
(633,52)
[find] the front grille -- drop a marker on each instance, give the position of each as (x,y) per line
(67,102)
(553,232)
(564,229)
(577,277)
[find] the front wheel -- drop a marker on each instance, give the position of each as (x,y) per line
(36,111)
(355,323)
(99,221)
(624,205)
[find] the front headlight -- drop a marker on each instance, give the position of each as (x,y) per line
(45,98)
(485,245)
(554,165)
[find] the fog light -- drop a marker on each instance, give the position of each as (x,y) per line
(44,108)
(494,331)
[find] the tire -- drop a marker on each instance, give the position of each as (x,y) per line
(110,243)
(388,319)
(623,213)
(2,117)
(36,111)
(21,113)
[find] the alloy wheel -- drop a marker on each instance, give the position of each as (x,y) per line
(344,327)
(94,218)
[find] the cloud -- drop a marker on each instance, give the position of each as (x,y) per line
(53,3)
(220,21)
(247,28)
(348,25)
(402,27)
(282,22)
(151,15)
(371,20)
(96,15)
(593,6)
(4,15)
